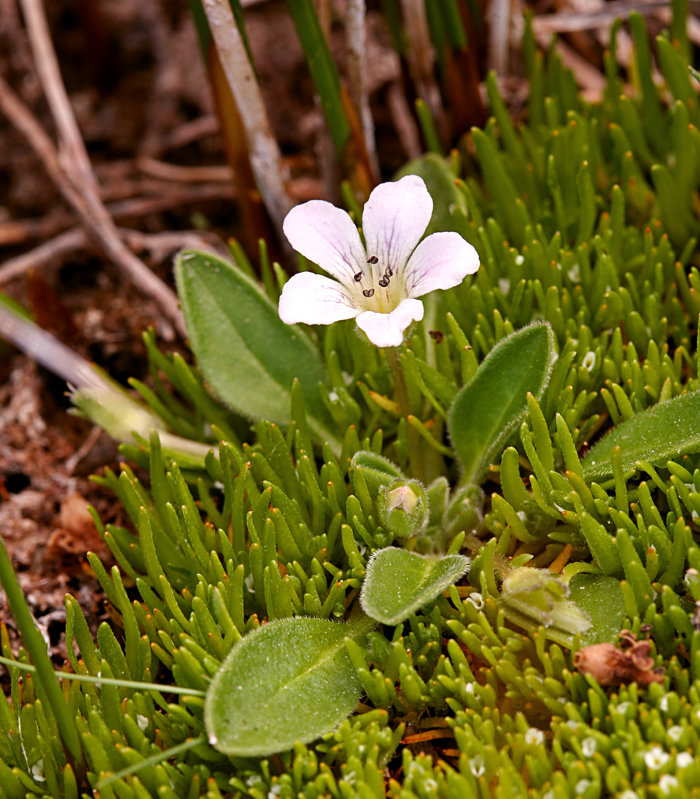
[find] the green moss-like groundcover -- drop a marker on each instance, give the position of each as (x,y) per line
(586,218)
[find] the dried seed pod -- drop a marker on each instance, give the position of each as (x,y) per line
(609,665)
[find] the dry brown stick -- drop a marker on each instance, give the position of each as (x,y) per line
(76,239)
(185,134)
(77,171)
(132,206)
(184,174)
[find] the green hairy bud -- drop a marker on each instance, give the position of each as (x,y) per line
(403,507)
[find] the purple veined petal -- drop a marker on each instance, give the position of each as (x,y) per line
(394,219)
(315,300)
(387,329)
(327,236)
(440,261)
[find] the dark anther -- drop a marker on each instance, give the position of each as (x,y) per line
(358,277)
(373,260)
(384,282)
(437,336)
(368,292)
(389,271)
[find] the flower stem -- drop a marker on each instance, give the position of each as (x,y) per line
(415,460)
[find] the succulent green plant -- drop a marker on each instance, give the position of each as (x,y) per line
(570,478)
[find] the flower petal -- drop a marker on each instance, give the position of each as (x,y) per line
(327,236)
(315,300)
(394,219)
(386,329)
(440,261)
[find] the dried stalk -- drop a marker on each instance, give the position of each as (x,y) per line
(76,239)
(71,169)
(404,122)
(356,52)
(421,57)
(264,152)
(498,16)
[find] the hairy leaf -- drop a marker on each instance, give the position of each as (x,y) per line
(246,353)
(399,582)
(659,434)
(289,681)
(488,409)
(601,598)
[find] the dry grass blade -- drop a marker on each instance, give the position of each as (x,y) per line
(264,151)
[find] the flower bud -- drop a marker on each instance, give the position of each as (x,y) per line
(403,507)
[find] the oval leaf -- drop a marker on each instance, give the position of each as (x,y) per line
(289,681)
(657,435)
(488,409)
(601,598)
(245,351)
(399,582)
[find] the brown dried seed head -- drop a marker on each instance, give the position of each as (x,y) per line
(609,665)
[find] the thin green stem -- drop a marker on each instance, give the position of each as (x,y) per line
(415,459)
(142,686)
(36,646)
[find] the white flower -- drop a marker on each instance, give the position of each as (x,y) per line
(683,760)
(589,361)
(629,795)
(581,786)
(667,782)
(675,732)
(533,736)
(656,758)
(588,746)
(379,285)
(476,764)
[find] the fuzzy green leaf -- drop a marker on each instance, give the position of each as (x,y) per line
(601,599)
(289,681)
(489,408)
(399,582)
(246,353)
(659,434)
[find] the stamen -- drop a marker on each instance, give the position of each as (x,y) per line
(384,282)
(373,260)
(368,292)
(389,272)
(358,277)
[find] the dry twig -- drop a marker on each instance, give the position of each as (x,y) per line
(70,167)
(159,244)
